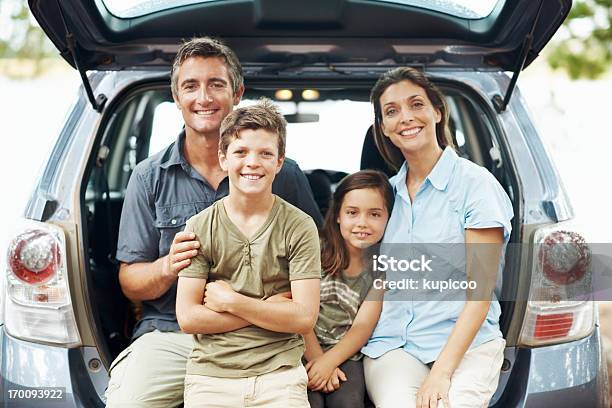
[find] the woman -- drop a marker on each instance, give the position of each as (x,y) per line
(424,353)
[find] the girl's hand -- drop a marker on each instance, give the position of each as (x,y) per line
(434,388)
(319,371)
(334,381)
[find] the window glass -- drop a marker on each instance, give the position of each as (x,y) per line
(469,9)
(334,142)
(136,8)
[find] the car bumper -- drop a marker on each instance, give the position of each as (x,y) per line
(566,375)
(573,375)
(32,366)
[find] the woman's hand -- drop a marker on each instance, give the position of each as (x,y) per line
(334,381)
(434,388)
(319,372)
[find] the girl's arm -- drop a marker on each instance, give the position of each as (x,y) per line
(313,348)
(360,331)
(485,251)
(321,368)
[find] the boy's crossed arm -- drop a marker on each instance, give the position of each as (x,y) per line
(196,318)
(296,316)
(225,310)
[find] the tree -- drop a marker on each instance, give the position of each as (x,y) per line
(22,39)
(585,46)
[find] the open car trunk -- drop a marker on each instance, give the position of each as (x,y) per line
(145,121)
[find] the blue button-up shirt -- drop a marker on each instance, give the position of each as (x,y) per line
(455,196)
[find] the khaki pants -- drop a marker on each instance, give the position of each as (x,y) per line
(150,372)
(393,379)
(282,388)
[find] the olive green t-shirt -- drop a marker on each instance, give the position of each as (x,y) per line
(285,248)
(341,298)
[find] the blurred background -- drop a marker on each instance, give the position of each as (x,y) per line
(567,89)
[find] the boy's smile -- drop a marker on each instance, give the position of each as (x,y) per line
(252,162)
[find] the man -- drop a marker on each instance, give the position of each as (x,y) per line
(164,191)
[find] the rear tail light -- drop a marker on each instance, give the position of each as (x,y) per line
(34,257)
(37,302)
(560,307)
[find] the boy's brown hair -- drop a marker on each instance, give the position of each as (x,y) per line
(263,115)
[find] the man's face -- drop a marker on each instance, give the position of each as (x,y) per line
(252,162)
(204,94)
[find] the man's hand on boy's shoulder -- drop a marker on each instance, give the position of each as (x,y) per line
(184,247)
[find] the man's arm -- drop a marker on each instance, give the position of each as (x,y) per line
(150,280)
(195,318)
(143,274)
(296,316)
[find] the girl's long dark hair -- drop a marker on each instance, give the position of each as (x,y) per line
(334,253)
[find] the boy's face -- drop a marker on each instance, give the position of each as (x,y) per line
(204,94)
(252,161)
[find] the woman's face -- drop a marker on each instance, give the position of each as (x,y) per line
(362,218)
(408,117)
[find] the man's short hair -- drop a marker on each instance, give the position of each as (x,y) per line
(263,115)
(206,47)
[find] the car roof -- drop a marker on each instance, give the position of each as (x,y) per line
(348,32)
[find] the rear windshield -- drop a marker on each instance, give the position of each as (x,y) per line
(468,9)
(136,8)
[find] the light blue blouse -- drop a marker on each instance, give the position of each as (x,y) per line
(455,196)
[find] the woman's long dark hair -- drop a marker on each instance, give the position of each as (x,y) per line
(392,155)
(334,253)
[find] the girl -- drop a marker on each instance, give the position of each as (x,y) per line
(435,353)
(356,220)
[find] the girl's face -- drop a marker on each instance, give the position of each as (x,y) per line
(408,117)
(362,218)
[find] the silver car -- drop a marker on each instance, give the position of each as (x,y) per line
(65,317)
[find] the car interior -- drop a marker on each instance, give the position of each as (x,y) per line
(144,121)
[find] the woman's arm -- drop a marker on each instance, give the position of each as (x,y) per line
(485,251)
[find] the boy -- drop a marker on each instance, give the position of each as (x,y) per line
(233,296)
